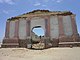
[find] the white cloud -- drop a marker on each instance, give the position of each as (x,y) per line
(7,1)
(44,5)
(37,4)
(6,12)
(58,1)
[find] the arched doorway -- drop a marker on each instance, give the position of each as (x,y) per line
(38,30)
(37,33)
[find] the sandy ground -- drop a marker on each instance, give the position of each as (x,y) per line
(47,54)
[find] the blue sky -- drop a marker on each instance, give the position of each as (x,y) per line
(10,8)
(39,31)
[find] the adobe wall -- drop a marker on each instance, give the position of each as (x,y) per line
(38,21)
(59,28)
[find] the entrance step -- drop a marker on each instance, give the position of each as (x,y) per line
(69,44)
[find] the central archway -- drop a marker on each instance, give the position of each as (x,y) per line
(38,30)
(37,33)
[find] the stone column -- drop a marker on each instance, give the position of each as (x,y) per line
(28,27)
(16,33)
(47,26)
(61,28)
(7,29)
(74,26)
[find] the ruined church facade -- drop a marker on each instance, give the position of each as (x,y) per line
(59,28)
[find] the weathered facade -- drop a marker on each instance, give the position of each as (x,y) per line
(60,29)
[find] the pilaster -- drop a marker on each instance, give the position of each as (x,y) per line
(16,33)
(61,28)
(74,26)
(28,27)
(7,29)
(47,26)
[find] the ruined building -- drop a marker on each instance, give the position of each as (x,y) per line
(59,30)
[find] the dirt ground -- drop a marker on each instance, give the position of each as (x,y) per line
(47,54)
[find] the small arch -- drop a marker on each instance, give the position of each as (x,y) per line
(38,30)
